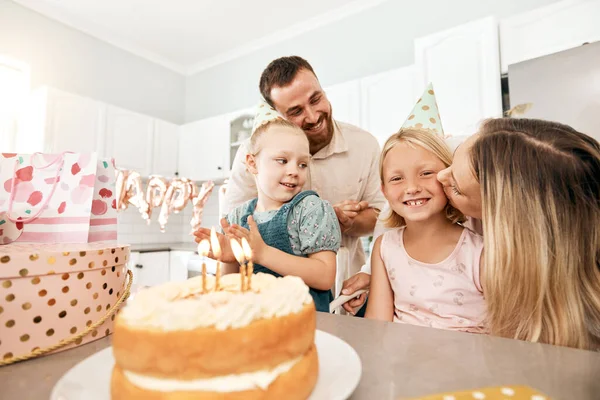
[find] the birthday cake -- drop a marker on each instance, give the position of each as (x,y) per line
(206,339)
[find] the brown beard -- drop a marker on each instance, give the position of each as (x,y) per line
(316,144)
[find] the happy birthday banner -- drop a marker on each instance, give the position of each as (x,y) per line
(170,196)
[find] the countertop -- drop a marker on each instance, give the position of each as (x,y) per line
(399,361)
(176,246)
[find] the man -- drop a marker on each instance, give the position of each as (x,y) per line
(345,159)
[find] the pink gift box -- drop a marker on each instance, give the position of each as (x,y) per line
(50,292)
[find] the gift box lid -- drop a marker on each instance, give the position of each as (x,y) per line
(36,259)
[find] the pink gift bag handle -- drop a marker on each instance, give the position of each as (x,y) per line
(61,160)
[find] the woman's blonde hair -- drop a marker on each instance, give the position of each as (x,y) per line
(430,142)
(540,189)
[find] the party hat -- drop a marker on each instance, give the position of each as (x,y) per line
(264,114)
(425,114)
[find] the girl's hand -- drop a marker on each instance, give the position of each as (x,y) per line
(226,252)
(255,240)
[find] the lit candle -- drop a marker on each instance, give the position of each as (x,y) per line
(249,265)
(238,252)
(216,250)
(203,250)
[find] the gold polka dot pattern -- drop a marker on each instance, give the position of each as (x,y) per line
(491,393)
(46,295)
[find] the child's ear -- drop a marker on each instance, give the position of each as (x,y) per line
(251,164)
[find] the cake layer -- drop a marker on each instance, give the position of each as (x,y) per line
(294,384)
(209,352)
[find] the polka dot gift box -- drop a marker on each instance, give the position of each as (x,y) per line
(491,393)
(58,294)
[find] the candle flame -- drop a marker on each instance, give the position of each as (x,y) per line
(247,249)
(204,247)
(238,252)
(214,243)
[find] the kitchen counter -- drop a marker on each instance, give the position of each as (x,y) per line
(177,246)
(399,361)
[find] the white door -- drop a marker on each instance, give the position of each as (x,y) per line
(387,100)
(129,139)
(551,29)
(463,63)
(166,146)
(345,101)
(204,148)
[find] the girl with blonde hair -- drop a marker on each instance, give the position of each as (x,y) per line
(536,186)
(426,270)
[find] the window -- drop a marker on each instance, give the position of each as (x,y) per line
(14,89)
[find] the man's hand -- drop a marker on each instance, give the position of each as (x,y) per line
(347,211)
(351,285)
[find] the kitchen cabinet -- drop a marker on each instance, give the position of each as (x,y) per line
(345,101)
(464,66)
(204,149)
(165,149)
(178,265)
(129,139)
(54,121)
(546,30)
(151,268)
(386,101)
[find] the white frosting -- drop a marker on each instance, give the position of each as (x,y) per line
(182,306)
(225,383)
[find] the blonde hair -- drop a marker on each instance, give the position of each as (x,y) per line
(540,189)
(258,133)
(430,142)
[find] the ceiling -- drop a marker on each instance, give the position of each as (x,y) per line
(189,36)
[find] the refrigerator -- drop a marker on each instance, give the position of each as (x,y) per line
(562,87)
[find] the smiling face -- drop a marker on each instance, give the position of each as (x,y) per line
(280,165)
(410,184)
(304,103)
(460,183)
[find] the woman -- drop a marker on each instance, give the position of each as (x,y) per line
(536,187)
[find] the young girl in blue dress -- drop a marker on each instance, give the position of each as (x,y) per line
(290,231)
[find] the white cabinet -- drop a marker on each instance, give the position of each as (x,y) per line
(345,101)
(129,139)
(204,149)
(134,259)
(54,121)
(240,128)
(387,100)
(152,268)
(464,66)
(178,265)
(166,147)
(551,29)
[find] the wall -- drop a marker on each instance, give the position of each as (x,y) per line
(132,229)
(376,40)
(70,60)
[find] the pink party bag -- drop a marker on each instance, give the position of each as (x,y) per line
(56,198)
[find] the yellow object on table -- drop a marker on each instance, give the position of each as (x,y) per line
(492,393)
